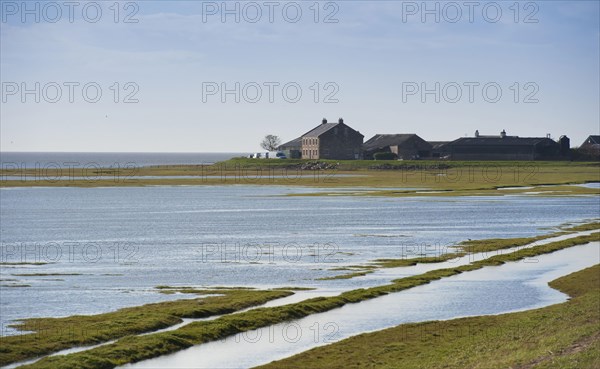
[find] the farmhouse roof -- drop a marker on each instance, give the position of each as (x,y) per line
(498,141)
(384,140)
(594,140)
(320,129)
(296,142)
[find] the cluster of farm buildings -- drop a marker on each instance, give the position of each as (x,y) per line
(339,141)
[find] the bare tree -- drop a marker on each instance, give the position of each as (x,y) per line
(270,142)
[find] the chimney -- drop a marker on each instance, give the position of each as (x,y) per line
(548,135)
(477,133)
(340,120)
(565,145)
(324,121)
(503,134)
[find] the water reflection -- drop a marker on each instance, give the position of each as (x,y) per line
(492,290)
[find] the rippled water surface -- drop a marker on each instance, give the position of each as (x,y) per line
(492,290)
(108,247)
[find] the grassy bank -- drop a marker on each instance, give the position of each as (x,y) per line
(496,244)
(464,248)
(137,348)
(468,178)
(566,335)
(55,334)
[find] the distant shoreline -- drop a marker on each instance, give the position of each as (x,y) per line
(30,160)
(373,178)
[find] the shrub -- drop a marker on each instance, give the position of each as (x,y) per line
(385,156)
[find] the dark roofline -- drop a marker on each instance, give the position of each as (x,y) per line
(294,142)
(320,129)
(594,138)
(508,140)
(385,140)
(326,127)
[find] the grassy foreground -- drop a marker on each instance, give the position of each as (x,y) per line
(565,335)
(55,334)
(137,348)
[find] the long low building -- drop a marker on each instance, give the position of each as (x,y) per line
(405,146)
(505,147)
(338,141)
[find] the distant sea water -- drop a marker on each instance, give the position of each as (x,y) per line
(106,159)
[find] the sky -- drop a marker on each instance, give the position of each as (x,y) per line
(203,76)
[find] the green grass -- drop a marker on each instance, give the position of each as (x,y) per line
(55,334)
(395,263)
(397,165)
(495,244)
(588,226)
(437,190)
(465,247)
(460,178)
(565,336)
(362,270)
(137,348)
(15,285)
(43,274)
(346,276)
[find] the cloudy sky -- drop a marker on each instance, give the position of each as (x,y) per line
(196,76)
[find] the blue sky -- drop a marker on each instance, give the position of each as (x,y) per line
(367,59)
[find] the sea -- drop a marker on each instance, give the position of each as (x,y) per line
(26,160)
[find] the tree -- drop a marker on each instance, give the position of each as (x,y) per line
(270,142)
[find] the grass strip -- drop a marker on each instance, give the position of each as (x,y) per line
(465,247)
(495,244)
(396,263)
(461,178)
(43,274)
(136,348)
(565,335)
(55,334)
(346,276)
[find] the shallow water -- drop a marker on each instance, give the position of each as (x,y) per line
(383,276)
(322,177)
(492,290)
(122,242)
(590,185)
(23,160)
